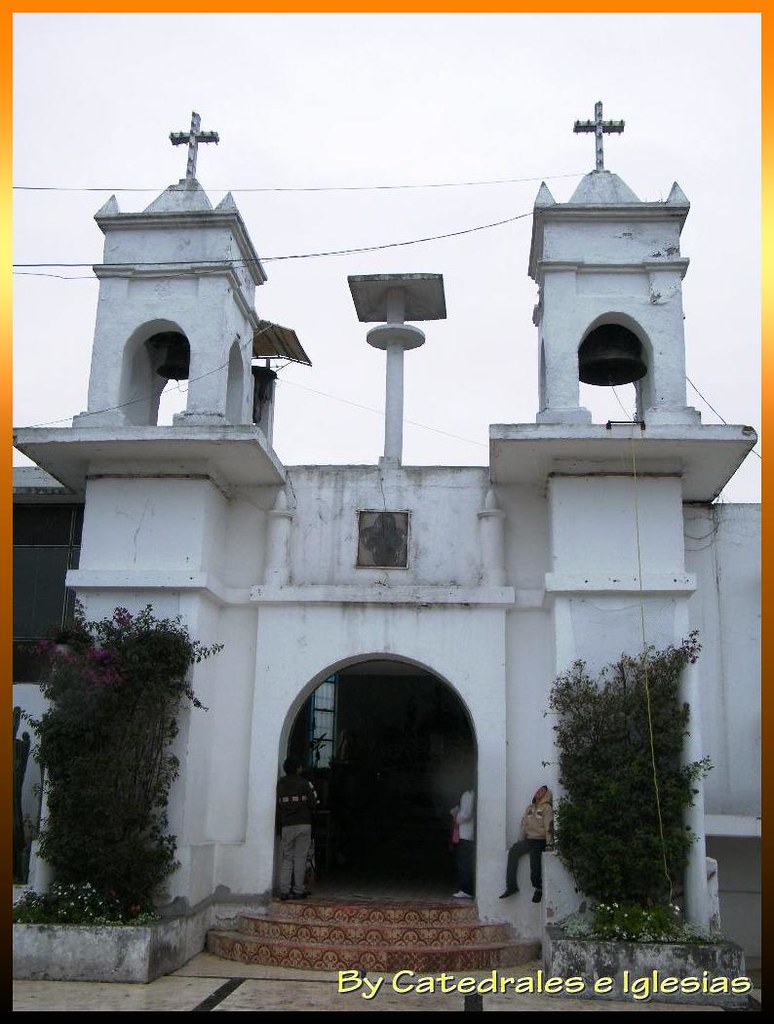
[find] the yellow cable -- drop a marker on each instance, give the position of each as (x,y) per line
(645,673)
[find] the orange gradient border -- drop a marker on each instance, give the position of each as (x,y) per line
(767,552)
(8,9)
(6,486)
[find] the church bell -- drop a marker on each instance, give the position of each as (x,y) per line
(175,360)
(263,381)
(610,355)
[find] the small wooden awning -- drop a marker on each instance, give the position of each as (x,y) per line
(273,341)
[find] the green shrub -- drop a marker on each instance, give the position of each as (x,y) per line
(631,922)
(115,694)
(640,924)
(620,824)
(78,904)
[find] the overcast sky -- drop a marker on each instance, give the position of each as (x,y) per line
(335,101)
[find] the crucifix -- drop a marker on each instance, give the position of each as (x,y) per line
(193,138)
(598,126)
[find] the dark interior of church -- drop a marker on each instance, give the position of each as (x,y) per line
(387,747)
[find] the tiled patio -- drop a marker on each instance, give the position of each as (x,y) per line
(209,983)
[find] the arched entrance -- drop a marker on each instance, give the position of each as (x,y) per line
(387,745)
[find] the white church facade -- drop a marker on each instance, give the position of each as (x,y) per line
(425,610)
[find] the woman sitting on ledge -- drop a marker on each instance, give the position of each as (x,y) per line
(537,834)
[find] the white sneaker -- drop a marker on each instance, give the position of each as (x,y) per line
(462,895)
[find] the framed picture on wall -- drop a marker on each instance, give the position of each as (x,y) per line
(383,539)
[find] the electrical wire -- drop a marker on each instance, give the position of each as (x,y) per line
(61,277)
(308,188)
(380,412)
(330,253)
(34,269)
(324,394)
(701,396)
(623,407)
(290,256)
(656,789)
(145,398)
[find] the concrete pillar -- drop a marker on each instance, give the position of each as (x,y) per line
(393,403)
(697,904)
(277,569)
(40,874)
(492,520)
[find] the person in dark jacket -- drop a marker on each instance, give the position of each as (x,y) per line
(296,799)
(537,834)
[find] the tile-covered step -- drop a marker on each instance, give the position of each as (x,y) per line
(372,936)
(367,957)
(400,933)
(387,912)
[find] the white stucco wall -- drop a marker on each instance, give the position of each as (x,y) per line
(587,559)
(185,547)
(628,240)
(616,524)
(297,646)
(443,505)
(739,875)
(723,549)
(135,524)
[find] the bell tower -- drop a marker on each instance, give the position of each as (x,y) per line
(176,302)
(177,288)
(609,272)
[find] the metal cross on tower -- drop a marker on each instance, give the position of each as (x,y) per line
(598,126)
(193,138)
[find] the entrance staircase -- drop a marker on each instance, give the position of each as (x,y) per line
(371,936)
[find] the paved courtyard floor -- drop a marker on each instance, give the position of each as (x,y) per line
(209,984)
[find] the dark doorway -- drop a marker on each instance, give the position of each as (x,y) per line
(385,744)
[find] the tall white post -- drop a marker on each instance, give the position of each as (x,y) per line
(393,399)
(393,403)
(394,298)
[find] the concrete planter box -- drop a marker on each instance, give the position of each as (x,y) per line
(68,952)
(701,975)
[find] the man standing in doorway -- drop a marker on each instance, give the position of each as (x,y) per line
(296,799)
